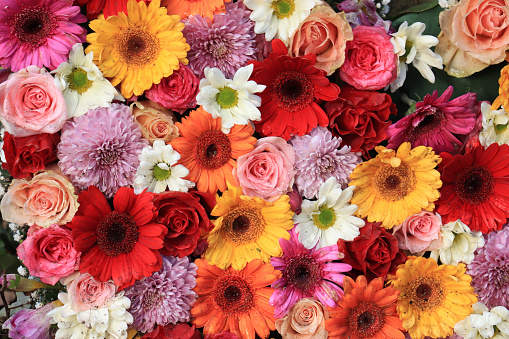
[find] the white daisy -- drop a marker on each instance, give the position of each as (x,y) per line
(279,18)
(232,100)
(157,170)
(329,218)
(83,84)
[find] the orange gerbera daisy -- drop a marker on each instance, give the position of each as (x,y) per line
(207,152)
(235,301)
(184,8)
(366,311)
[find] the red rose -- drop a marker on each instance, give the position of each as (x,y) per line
(185,215)
(360,117)
(171,331)
(27,155)
(374,252)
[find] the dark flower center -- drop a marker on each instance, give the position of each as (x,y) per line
(303,273)
(429,124)
(137,47)
(474,185)
(426,293)
(117,233)
(243,225)
(234,294)
(33,25)
(394,183)
(292,91)
(366,320)
(423,291)
(213,150)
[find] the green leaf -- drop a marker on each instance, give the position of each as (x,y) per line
(416,9)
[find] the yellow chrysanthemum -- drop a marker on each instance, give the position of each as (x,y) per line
(432,297)
(248,228)
(396,184)
(140,48)
(503,90)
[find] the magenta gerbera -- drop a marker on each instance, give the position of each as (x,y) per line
(38,32)
(306,274)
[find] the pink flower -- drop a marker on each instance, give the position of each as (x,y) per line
(370,62)
(48,253)
(86,293)
(268,170)
(28,323)
(419,232)
(30,103)
(305,320)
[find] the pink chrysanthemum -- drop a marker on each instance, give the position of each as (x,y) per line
(38,32)
(306,273)
(436,121)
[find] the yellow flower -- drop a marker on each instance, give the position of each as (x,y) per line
(248,228)
(140,48)
(396,184)
(433,297)
(503,90)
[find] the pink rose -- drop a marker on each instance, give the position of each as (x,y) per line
(324,33)
(176,92)
(267,171)
(156,122)
(47,199)
(30,103)
(48,253)
(370,62)
(305,320)
(86,293)
(419,232)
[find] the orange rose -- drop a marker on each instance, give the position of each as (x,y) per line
(325,33)
(156,122)
(305,320)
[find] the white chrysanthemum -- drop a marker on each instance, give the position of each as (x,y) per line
(329,218)
(413,47)
(279,18)
(83,84)
(494,125)
(234,100)
(484,323)
(158,170)
(107,322)
(458,244)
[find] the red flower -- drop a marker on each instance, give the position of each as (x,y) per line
(121,244)
(294,88)
(108,7)
(185,216)
(475,188)
(374,252)
(360,117)
(27,155)
(171,331)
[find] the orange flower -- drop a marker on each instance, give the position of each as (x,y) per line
(366,311)
(208,153)
(184,8)
(235,301)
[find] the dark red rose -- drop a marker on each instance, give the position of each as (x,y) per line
(178,331)
(222,335)
(27,155)
(185,215)
(360,117)
(374,253)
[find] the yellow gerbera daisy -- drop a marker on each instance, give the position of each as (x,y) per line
(432,297)
(248,228)
(140,48)
(503,90)
(396,184)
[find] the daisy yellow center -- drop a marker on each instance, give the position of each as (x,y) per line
(243,225)
(137,47)
(78,80)
(161,174)
(283,8)
(394,183)
(325,218)
(227,97)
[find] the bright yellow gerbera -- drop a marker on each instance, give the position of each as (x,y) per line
(140,48)
(433,297)
(396,184)
(503,90)
(248,228)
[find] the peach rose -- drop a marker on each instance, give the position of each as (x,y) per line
(156,122)
(475,34)
(46,199)
(324,33)
(305,320)
(30,103)
(86,293)
(419,232)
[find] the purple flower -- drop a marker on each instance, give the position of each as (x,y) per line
(363,13)
(165,297)
(29,323)
(101,148)
(318,157)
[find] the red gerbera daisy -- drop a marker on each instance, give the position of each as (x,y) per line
(475,188)
(121,244)
(108,7)
(294,86)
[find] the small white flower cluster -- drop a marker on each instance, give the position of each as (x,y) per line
(16,231)
(447,3)
(383,7)
(484,323)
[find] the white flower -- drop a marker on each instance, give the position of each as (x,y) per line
(279,18)
(234,100)
(484,323)
(329,218)
(494,125)
(447,3)
(458,244)
(158,170)
(83,84)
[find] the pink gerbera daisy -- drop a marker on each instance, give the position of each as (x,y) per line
(38,32)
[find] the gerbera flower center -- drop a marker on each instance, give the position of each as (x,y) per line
(366,320)
(243,225)
(33,25)
(474,185)
(234,295)
(227,97)
(394,183)
(426,293)
(429,124)
(78,80)
(161,174)
(292,91)
(117,233)
(213,149)
(303,273)
(137,47)
(283,8)
(324,218)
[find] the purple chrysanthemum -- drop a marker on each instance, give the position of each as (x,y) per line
(101,148)
(305,274)
(319,157)
(165,297)
(38,32)
(490,270)
(228,43)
